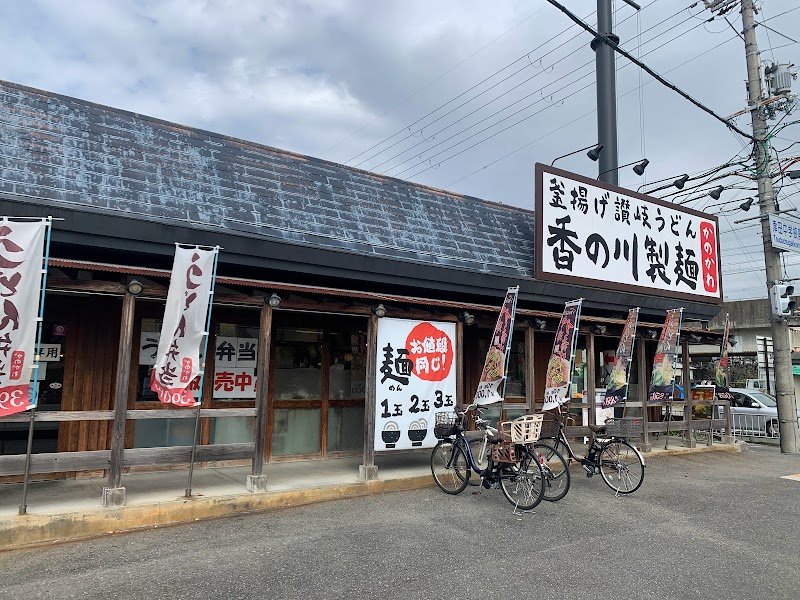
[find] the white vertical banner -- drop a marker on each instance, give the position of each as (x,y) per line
(415,378)
(21,256)
(188,302)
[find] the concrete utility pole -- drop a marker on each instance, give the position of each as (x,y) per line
(784,386)
(606,95)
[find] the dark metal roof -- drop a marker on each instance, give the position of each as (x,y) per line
(132,184)
(66,150)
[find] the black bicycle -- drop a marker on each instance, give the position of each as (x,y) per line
(511,467)
(616,460)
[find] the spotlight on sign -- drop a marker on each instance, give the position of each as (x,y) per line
(639,168)
(716,192)
(681,181)
(746,205)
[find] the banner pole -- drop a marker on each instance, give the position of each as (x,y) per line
(188,493)
(672,395)
(23,507)
(630,362)
(508,351)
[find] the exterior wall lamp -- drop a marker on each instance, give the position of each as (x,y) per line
(134,287)
(274,301)
(466,318)
(379,311)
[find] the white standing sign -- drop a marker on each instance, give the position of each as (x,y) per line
(415,379)
(188,301)
(21,256)
(785,233)
(603,236)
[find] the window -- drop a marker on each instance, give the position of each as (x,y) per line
(298,364)
(235,362)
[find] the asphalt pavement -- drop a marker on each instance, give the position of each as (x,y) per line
(712,525)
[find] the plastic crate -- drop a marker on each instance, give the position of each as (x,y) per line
(624,426)
(522,430)
(504,452)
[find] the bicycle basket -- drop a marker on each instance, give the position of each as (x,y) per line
(522,430)
(550,426)
(624,426)
(447,424)
(504,452)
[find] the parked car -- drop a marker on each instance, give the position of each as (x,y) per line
(754,412)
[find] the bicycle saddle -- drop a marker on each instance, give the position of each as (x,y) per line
(494,439)
(473,435)
(598,428)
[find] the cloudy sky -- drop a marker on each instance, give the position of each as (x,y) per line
(458,94)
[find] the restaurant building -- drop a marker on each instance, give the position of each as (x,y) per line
(313,254)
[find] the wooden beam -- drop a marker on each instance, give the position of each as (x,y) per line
(530,372)
(589,373)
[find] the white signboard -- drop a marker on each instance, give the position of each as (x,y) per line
(415,379)
(49,353)
(188,301)
(234,383)
(235,367)
(594,234)
(785,233)
(21,256)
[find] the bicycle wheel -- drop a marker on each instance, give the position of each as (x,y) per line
(621,466)
(480,454)
(556,472)
(556,444)
(449,467)
(523,482)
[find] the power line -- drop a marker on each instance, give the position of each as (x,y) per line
(540,90)
(572,94)
(411,95)
(650,71)
(583,116)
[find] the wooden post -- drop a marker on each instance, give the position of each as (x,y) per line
(257,481)
(369,470)
(641,356)
(530,388)
(687,393)
(459,350)
(114,493)
(589,377)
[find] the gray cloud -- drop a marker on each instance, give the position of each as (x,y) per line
(331,79)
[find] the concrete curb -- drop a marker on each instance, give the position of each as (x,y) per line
(25,531)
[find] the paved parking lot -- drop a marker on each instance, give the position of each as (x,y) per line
(714,525)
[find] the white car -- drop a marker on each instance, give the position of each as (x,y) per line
(754,412)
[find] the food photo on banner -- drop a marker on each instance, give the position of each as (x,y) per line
(559,368)
(662,382)
(491,387)
(22,247)
(721,382)
(415,379)
(617,388)
(184,328)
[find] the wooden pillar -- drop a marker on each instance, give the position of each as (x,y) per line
(530,374)
(257,481)
(114,493)
(459,350)
(641,358)
(687,393)
(369,470)
(589,375)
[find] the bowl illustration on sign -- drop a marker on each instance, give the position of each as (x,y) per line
(390,434)
(417,431)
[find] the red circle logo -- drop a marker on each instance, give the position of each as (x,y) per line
(431,351)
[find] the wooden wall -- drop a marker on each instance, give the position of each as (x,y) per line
(89,366)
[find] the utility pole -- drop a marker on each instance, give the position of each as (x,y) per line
(782,358)
(606,94)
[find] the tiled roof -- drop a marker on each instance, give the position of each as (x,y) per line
(59,149)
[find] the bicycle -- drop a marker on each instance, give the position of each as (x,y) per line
(509,466)
(619,463)
(554,465)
